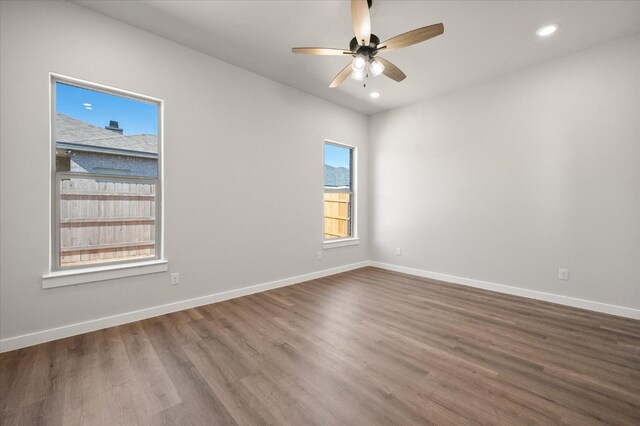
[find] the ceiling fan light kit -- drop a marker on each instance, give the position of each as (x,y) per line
(357,75)
(365,46)
(376,67)
(359,63)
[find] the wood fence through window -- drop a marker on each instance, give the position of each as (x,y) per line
(103,219)
(337,215)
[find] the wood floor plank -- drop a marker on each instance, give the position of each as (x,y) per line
(363,347)
(192,389)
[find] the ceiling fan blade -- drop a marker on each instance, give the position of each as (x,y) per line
(391,70)
(320,51)
(342,76)
(361,21)
(412,37)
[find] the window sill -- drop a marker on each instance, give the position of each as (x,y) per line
(102,273)
(329,244)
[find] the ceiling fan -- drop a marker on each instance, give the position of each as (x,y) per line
(365,46)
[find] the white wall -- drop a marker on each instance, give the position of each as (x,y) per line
(243,167)
(510,180)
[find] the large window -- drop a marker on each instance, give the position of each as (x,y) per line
(338,191)
(106,176)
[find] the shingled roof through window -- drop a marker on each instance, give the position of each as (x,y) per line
(72,131)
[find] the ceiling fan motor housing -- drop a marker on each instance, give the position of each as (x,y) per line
(368,51)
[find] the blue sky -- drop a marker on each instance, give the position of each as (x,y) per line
(134,117)
(336,156)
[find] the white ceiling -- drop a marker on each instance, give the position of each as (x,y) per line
(482,39)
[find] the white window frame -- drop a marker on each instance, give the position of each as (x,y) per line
(78,274)
(353,239)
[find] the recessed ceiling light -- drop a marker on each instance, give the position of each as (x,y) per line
(374,95)
(547,30)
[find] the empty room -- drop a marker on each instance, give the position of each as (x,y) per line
(319,212)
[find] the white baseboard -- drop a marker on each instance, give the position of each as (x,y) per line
(43,336)
(516,291)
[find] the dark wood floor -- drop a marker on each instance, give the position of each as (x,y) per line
(363,347)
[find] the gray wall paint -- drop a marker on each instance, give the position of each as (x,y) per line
(243,167)
(511,180)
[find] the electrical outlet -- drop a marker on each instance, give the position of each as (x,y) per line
(175,278)
(563,274)
(398,251)
(319,255)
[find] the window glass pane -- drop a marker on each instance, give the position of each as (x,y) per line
(337,166)
(113,214)
(337,191)
(106,219)
(103,133)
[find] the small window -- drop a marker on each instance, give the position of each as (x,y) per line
(106,181)
(338,191)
